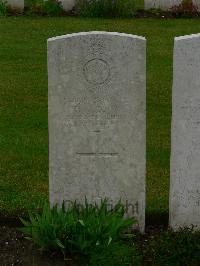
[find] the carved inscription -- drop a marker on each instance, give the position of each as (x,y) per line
(95,107)
(104,154)
(97,148)
(192,196)
(191,111)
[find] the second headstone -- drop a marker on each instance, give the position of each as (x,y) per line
(185,154)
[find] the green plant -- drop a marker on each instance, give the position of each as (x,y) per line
(52,8)
(46,7)
(118,253)
(34,6)
(175,248)
(83,229)
(3,8)
(105,8)
(154,11)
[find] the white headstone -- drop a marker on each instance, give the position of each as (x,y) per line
(161,4)
(16,4)
(97,120)
(185,154)
(167,4)
(67,4)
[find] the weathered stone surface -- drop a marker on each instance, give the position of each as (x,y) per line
(185,154)
(16,4)
(67,4)
(97,120)
(166,4)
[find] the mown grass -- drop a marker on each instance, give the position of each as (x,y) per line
(23,102)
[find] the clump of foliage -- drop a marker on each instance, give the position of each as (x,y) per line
(105,8)
(3,8)
(186,8)
(52,8)
(154,11)
(174,248)
(44,7)
(93,232)
(34,6)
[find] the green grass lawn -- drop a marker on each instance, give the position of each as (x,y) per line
(23,103)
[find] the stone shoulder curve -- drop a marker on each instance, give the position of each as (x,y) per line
(187,37)
(96,33)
